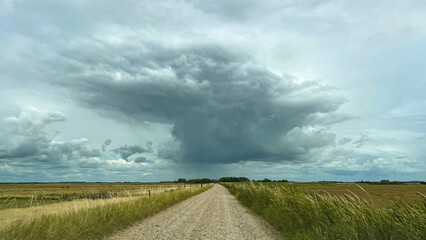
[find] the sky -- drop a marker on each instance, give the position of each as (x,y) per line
(157,90)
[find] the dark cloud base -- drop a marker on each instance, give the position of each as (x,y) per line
(224,107)
(198,68)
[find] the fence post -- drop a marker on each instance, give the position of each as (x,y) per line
(149,192)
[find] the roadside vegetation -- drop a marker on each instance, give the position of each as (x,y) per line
(379,195)
(29,201)
(305,214)
(96,220)
(22,195)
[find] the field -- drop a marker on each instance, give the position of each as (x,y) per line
(31,211)
(335,211)
(298,210)
(27,195)
(379,195)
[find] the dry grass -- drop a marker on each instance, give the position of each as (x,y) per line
(8,216)
(27,195)
(41,202)
(98,219)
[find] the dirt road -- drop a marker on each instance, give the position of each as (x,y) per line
(214,214)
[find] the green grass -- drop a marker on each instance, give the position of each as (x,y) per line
(96,222)
(382,196)
(300,214)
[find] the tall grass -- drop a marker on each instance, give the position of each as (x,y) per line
(28,194)
(96,222)
(308,215)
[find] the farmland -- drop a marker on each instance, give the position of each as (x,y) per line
(29,210)
(335,211)
(379,195)
(299,210)
(27,195)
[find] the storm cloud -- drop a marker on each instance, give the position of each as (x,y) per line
(223,106)
(313,90)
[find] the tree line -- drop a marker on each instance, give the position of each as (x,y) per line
(225,179)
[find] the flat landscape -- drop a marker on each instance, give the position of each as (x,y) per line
(260,210)
(214,119)
(28,205)
(34,194)
(381,195)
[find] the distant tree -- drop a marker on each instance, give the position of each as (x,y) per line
(384,181)
(234,179)
(243,179)
(201,180)
(266,180)
(181,180)
(206,180)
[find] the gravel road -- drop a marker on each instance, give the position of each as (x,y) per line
(213,214)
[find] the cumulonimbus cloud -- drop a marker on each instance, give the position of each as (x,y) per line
(223,106)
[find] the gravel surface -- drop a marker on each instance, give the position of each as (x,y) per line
(214,214)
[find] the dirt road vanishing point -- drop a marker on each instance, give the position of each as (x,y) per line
(214,214)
